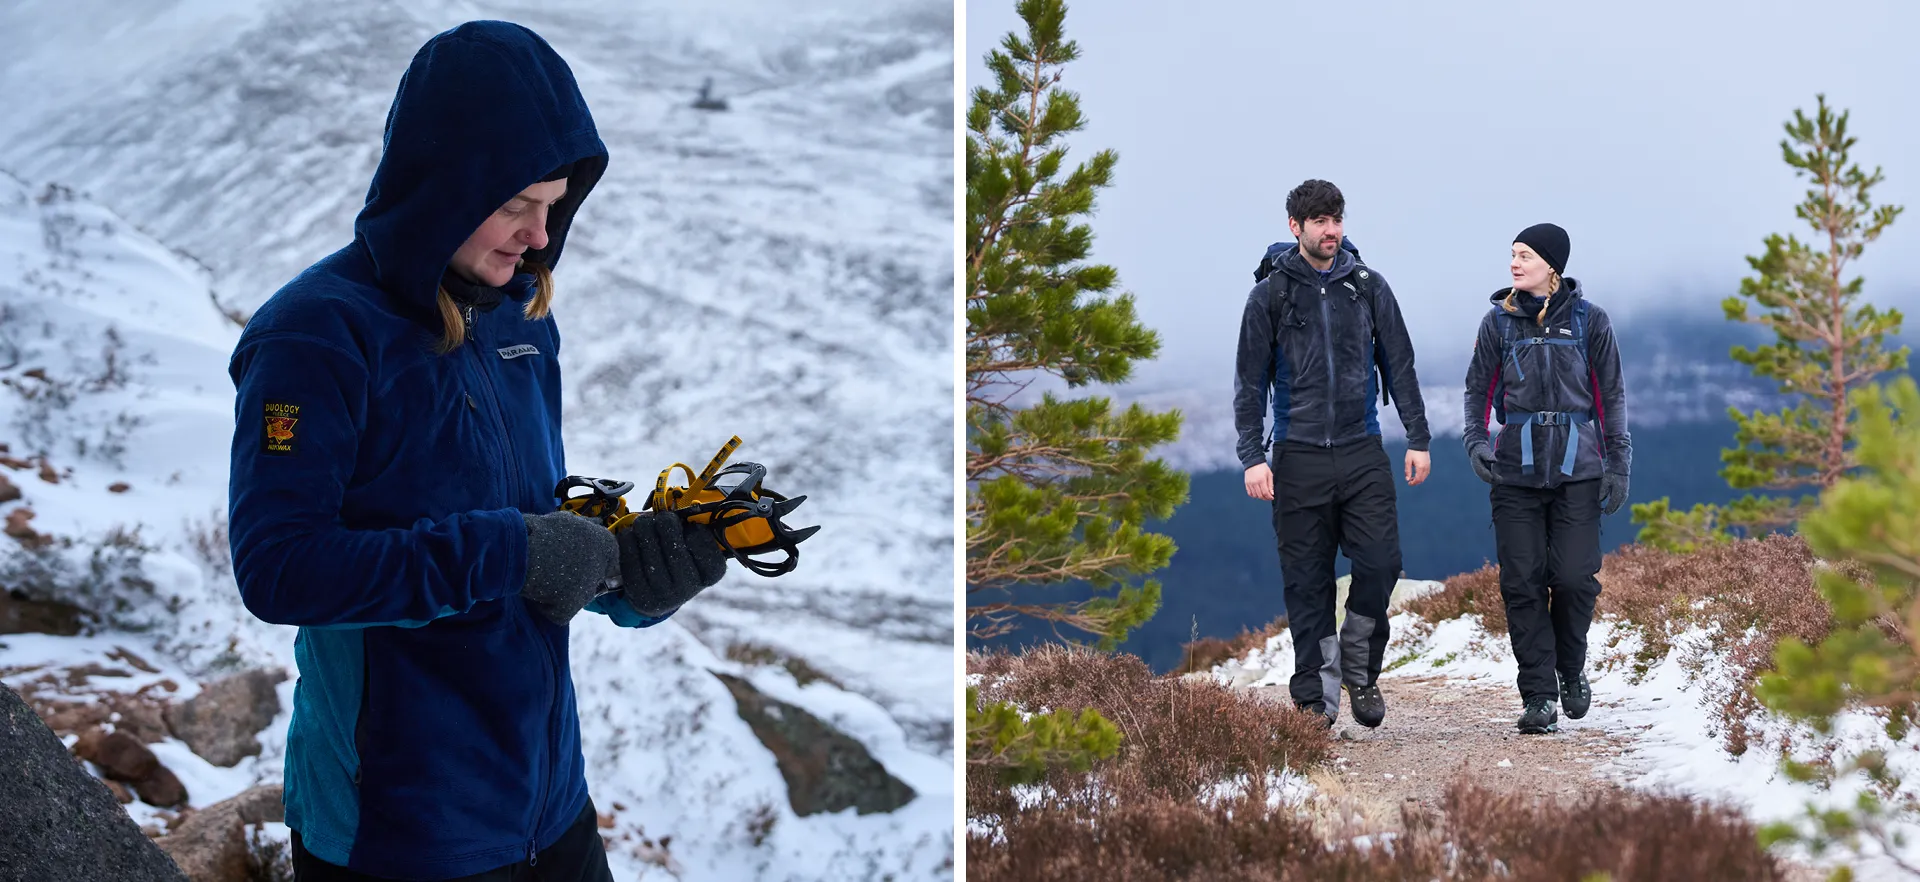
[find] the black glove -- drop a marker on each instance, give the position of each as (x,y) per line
(569,560)
(1480,456)
(1613,492)
(665,561)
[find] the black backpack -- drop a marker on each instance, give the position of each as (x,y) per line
(1367,288)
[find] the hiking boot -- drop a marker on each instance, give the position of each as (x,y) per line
(1539,718)
(1575,695)
(1324,719)
(1369,708)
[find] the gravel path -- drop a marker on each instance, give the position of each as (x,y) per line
(1438,728)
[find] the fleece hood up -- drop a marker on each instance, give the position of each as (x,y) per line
(379,489)
(484,110)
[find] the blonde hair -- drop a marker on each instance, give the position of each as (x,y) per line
(1553,285)
(454,333)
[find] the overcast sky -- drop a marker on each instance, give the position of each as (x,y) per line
(1649,130)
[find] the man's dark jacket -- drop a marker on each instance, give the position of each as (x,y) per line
(1309,345)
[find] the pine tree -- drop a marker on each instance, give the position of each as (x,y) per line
(1058,489)
(1021,748)
(1826,344)
(1872,657)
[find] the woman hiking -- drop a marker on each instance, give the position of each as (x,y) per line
(1546,367)
(397,447)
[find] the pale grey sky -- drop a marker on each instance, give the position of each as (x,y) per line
(1649,130)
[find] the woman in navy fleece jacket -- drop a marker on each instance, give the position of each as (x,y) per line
(396,448)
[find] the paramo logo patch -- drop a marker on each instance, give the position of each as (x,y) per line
(279,436)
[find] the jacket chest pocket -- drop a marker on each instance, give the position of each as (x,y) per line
(526,380)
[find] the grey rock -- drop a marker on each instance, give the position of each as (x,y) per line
(220,723)
(211,844)
(825,770)
(58,823)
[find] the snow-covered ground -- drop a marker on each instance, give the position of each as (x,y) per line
(1673,747)
(782,271)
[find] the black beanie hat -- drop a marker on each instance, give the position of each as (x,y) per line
(1548,241)
(560,173)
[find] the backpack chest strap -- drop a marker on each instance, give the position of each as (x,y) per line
(1526,420)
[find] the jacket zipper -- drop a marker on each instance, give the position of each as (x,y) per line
(1326,331)
(553,708)
(546,653)
(511,466)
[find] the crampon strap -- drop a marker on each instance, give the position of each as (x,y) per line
(744,514)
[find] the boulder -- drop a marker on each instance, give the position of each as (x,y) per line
(121,757)
(211,844)
(220,723)
(825,769)
(57,822)
(21,614)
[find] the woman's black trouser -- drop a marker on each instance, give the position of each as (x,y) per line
(578,856)
(1549,547)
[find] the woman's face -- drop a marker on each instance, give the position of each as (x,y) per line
(1530,272)
(489,255)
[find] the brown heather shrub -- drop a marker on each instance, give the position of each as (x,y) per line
(1207,652)
(1178,737)
(1749,593)
(1630,836)
(1477,592)
(1147,836)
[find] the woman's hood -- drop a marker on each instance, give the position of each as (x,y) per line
(484,110)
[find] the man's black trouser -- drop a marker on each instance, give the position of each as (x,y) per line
(1328,500)
(577,856)
(1549,544)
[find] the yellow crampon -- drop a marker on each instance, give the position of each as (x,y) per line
(729,498)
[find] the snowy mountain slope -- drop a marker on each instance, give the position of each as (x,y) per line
(781,271)
(669,759)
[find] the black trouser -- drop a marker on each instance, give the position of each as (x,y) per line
(1549,544)
(1328,500)
(577,856)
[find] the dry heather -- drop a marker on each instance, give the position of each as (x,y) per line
(1745,595)
(1179,738)
(1748,595)
(1476,593)
(1208,652)
(1479,835)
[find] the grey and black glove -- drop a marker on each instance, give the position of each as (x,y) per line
(665,561)
(1613,492)
(1480,456)
(569,560)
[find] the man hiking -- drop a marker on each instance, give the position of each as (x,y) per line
(1316,329)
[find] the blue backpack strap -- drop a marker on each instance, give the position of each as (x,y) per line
(1509,336)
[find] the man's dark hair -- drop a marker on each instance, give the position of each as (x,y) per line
(1316,198)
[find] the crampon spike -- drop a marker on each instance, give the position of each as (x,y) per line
(746,517)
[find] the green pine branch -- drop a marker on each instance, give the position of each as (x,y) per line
(1059,489)
(1871,659)
(1020,748)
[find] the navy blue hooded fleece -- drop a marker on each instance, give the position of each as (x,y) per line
(378,486)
